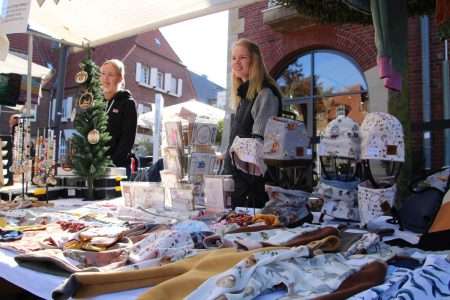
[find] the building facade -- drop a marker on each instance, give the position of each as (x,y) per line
(323,70)
(151,67)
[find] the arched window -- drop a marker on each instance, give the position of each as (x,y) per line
(321,84)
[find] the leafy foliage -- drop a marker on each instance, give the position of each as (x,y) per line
(336,11)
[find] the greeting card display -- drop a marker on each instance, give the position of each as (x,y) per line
(204,133)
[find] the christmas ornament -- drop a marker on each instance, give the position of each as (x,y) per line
(86,100)
(93,136)
(81,77)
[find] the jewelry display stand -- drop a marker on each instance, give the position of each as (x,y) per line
(44,159)
(5,161)
(22,164)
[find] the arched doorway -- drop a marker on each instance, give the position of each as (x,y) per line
(319,85)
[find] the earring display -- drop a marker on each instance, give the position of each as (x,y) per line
(44,166)
(5,151)
(22,150)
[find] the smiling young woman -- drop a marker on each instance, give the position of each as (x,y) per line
(121,110)
(256,98)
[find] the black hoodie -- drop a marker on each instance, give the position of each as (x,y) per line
(122,123)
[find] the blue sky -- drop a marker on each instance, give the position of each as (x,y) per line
(2,6)
(201,44)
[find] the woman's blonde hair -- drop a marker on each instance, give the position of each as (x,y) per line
(257,73)
(120,68)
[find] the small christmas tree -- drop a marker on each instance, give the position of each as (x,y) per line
(91,122)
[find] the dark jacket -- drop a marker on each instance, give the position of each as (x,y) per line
(242,121)
(248,189)
(122,123)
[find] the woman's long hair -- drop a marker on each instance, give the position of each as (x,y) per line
(257,73)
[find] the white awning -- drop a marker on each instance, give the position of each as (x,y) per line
(19,65)
(194,107)
(96,22)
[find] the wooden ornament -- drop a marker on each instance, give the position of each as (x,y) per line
(93,136)
(81,77)
(86,100)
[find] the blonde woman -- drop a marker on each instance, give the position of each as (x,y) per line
(256,99)
(121,110)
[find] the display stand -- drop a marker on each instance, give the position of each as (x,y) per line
(22,153)
(44,159)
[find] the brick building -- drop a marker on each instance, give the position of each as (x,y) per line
(151,66)
(286,38)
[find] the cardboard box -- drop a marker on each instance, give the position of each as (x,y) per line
(218,189)
(143,194)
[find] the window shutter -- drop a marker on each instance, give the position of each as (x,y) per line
(180,87)
(140,108)
(167,81)
(138,71)
(153,77)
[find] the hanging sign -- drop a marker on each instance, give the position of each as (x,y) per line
(14,15)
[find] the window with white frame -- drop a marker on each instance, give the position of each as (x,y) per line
(173,85)
(160,80)
(145,75)
(143,108)
(151,77)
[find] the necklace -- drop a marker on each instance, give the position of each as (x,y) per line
(108,106)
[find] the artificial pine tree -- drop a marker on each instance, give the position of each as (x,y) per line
(91,122)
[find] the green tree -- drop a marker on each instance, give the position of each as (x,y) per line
(91,122)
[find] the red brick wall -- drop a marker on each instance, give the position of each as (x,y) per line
(134,49)
(437,105)
(280,48)
(357,41)
(415,86)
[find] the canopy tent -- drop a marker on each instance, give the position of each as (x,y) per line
(188,108)
(16,64)
(95,22)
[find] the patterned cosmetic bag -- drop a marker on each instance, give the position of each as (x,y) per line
(340,199)
(291,206)
(286,139)
(374,202)
(246,155)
